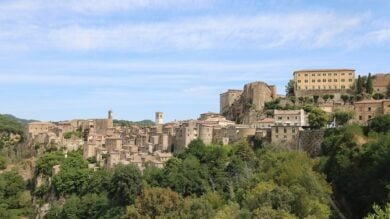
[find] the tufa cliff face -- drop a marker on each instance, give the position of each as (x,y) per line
(244,105)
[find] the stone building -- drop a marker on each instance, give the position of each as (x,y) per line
(35,128)
(286,134)
(288,124)
(242,106)
(292,117)
(368,109)
(381,83)
(227,99)
(323,81)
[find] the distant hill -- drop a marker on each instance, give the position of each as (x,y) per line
(11,124)
(143,123)
(23,121)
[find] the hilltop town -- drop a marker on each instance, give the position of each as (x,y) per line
(311,153)
(316,99)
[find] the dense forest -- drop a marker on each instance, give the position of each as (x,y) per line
(212,181)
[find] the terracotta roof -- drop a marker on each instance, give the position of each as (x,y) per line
(267,120)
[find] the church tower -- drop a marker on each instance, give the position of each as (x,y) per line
(159,118)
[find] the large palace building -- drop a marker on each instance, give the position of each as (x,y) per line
(323,81)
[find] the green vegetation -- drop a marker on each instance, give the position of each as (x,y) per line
(77,134)
(15,198)
(380,213)
(290,88)
(318,118)
(143,123)
(205,181)
(10,124)
(343,116)
(357,165)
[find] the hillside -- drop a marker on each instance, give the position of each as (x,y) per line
(11,124)
(143,123)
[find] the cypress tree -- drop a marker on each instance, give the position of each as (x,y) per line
(359,85)
(369,86)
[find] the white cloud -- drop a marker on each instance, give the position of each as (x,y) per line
(261,31)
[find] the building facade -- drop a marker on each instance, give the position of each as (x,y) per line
(323,81)
(368,109)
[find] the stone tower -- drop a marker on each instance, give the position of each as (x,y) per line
(159,118)
(110,122)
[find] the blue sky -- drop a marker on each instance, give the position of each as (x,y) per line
(78,58)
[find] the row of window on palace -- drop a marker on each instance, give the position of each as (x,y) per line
(284,130)
(324,87)
(324,80)
(329,74)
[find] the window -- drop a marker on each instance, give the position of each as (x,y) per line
(306,81)
(335,74)
(319,80)
(329,74)
(342,80)
(285,130)
(288,117)
(299,81)
(285,137)
(329,80)
(305,75)
(350,73)
(360,118)
(323,80)
(342,74)
(293,130)
(342,86)
(335,80)
(369,117)
(324,74)
(313,81)
(314,87)
(350,80)
(280,118)
(313,75)
(369,109)
(319,87)
(276,130)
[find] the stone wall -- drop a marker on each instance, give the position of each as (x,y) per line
(310,141)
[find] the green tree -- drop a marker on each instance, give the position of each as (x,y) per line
(315,98)
(290,88)
(380,123)
(369,86)
(318,118)
(345,98)
(125,184)
(359,85)
(378,96)
(159,202)
(3,162)
(325,97)
(380,213)
(342,117)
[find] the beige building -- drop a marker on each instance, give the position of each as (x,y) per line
(291,117)
(242,106)
(228,98)
(35,128)
(381,83)
(323,81)
(368,109)
(285,134)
